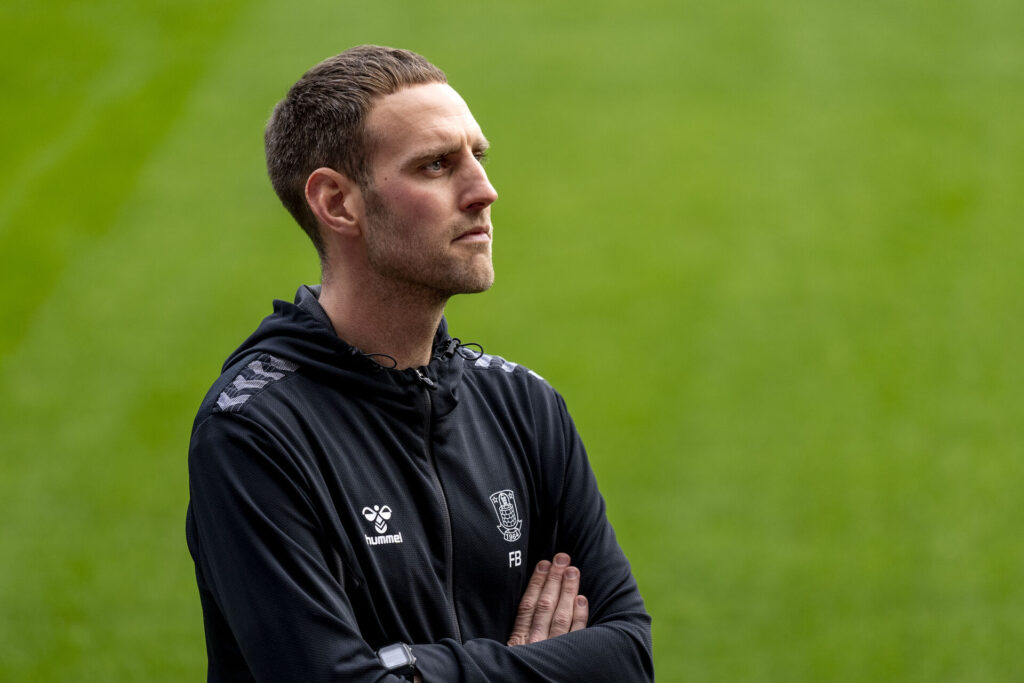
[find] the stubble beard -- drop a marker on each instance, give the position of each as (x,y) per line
(430,269)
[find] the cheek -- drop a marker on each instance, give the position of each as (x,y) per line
(414,202)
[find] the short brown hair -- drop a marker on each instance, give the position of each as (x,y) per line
(321,121)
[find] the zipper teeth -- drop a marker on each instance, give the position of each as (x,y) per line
(449,540)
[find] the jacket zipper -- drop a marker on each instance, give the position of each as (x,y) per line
(430,385)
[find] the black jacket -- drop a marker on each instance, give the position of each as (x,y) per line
(337,506)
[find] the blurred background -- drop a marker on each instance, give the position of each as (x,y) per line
(770,252)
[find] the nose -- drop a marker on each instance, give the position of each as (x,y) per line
(478,193)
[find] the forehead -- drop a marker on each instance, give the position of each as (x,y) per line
(417,118)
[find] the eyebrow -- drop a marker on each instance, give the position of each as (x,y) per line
(445,149)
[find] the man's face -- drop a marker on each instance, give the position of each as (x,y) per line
(428,215)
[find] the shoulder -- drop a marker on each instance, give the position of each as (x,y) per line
(493,370)
(500,379)
(245,384)
(490,364)
(245,417)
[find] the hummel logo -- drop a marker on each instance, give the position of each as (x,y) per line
(379,514)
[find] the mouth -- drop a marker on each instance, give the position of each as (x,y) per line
(479,233)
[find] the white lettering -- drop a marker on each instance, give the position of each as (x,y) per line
(384,539)
(515,558)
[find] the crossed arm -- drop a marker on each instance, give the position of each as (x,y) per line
(551,605)
(288,618)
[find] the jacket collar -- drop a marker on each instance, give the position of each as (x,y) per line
(444,370)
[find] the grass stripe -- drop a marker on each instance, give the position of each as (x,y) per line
(72,188)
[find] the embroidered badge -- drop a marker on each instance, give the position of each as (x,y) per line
(509,523)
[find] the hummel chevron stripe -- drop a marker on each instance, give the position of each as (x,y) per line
(253,378)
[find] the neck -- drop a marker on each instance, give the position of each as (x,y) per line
(400,324)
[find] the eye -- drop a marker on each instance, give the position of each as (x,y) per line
(435,165)
(481,157)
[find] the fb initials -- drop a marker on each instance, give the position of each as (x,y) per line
(515,558)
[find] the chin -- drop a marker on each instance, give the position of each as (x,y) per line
(481,287)
(484,283)
(472,284)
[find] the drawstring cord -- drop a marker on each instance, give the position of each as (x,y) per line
(454,344)
(376,365)
(445,350)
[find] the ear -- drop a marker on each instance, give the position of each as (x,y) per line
(335,200)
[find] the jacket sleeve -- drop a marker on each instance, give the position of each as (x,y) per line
(258,547)
(260,558)
(616,645)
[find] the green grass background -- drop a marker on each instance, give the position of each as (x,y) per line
(769,251)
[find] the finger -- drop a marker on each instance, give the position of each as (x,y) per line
(580,614)
(524,617)
(561,620)
(548,600)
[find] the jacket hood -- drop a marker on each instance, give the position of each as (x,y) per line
(301,332)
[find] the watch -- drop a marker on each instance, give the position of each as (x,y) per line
(398,659)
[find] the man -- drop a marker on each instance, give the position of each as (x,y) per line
(368,494)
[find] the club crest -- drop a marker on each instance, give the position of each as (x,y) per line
(509,523)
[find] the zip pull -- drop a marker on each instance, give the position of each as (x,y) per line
(424,380)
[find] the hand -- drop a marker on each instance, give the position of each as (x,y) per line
(551,604)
